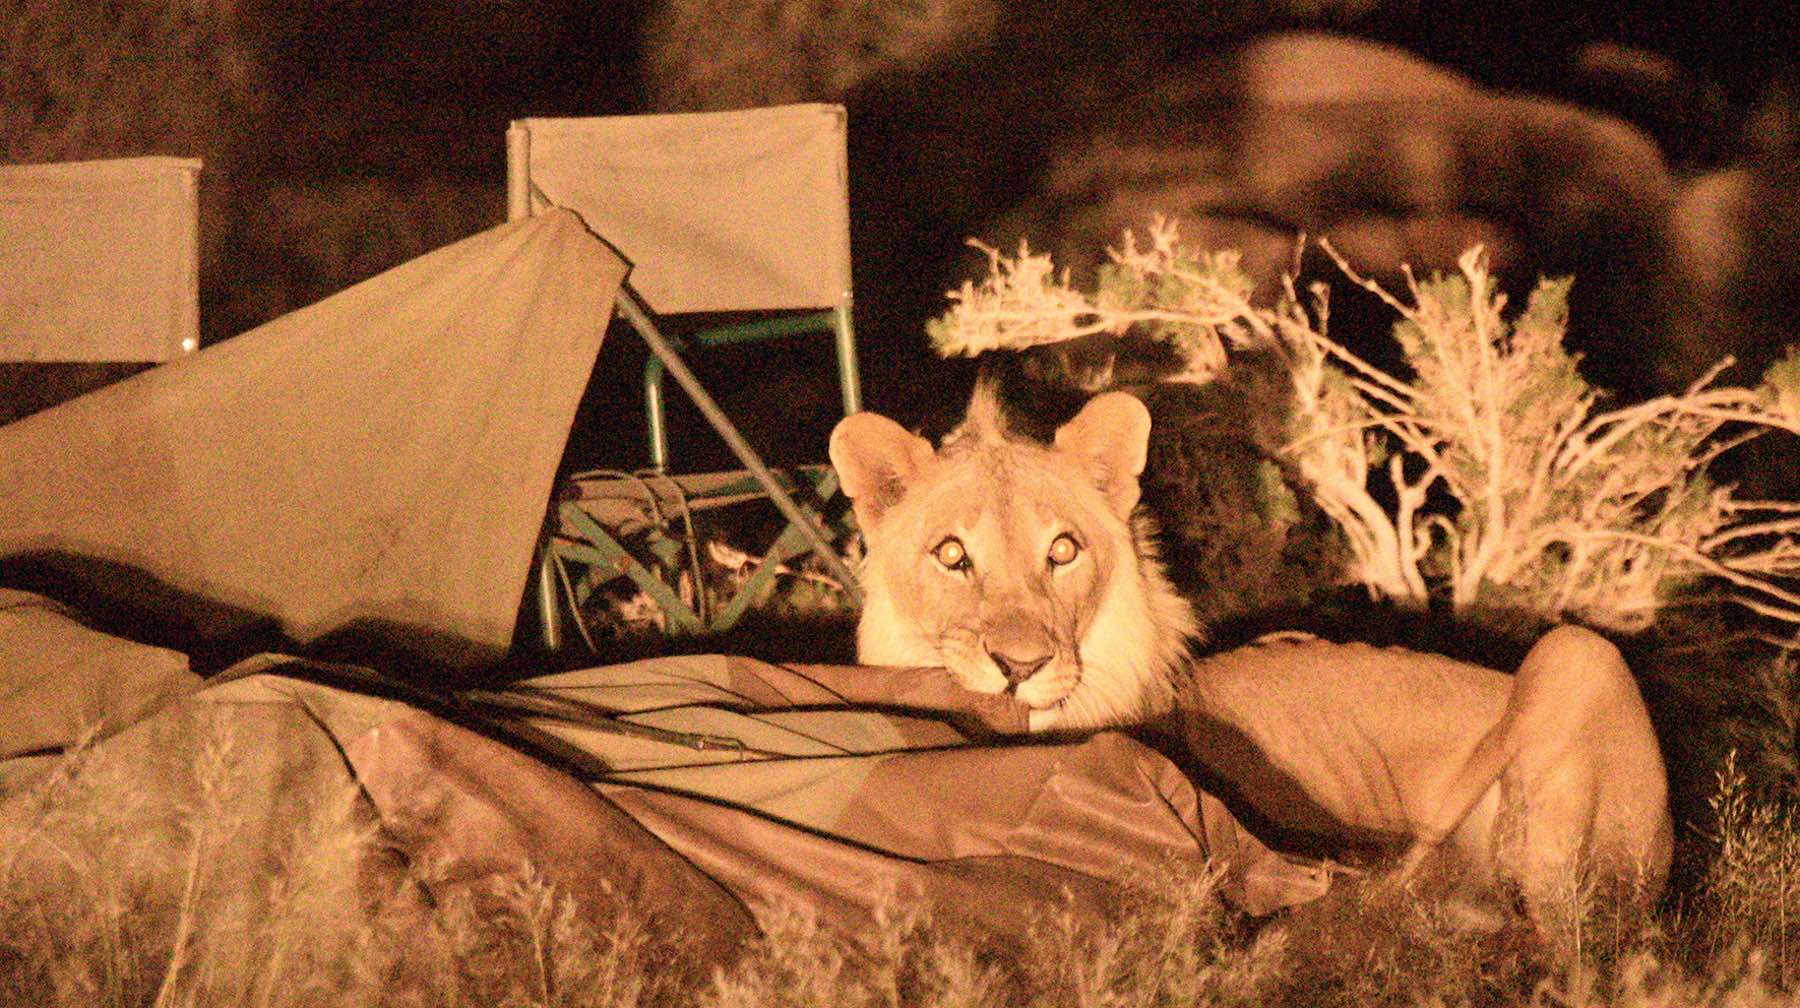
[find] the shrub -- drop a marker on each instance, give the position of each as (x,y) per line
(1488,475)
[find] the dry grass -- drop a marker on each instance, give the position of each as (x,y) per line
(904,963)
(178,879)
(1749,896)
(154,880)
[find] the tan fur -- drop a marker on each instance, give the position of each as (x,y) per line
(1108,628)
(1546,783)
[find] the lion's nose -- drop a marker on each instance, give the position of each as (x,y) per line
(1017,670)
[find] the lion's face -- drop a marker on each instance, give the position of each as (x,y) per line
(1014,565)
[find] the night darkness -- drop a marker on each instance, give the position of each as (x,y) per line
(358,135)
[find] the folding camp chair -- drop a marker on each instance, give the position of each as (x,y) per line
(716,212)
(100,261)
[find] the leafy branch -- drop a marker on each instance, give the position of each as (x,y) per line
(1167,292)
(1492,473)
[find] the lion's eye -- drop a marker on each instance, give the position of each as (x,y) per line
(951,554)
(1063,550)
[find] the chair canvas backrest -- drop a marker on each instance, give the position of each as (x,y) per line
(99,260)
(716,211)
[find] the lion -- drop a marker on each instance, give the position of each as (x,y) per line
(1018,567)
(1025,568)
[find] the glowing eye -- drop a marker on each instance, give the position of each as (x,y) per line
(951,554)
(1063,550)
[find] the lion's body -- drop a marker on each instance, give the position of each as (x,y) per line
(1020,567)
(1543,778)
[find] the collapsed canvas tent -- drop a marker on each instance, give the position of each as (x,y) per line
(376,464)
(381,461)
(714,793)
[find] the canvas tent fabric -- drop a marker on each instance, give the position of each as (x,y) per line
(61,681)
(100,260)
(896,761)
(716,211)
(377,463)
(718,793)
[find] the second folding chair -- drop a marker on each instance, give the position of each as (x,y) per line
(716,212)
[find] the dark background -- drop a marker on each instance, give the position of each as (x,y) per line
(345,137)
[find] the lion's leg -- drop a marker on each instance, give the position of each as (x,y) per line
(1480,772)
(1588,783)
(1596,796)
(1543,836)
(1540,744)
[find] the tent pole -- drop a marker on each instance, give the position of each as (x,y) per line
(549,615)
(639,317)
(518,171)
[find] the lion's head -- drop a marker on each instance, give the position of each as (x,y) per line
(1017,566)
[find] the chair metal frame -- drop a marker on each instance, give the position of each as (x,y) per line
(577,531)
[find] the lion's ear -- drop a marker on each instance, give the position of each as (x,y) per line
(875,458)
(1112,435)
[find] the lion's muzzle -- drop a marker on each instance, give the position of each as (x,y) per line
(1015,638)
(1017,670)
